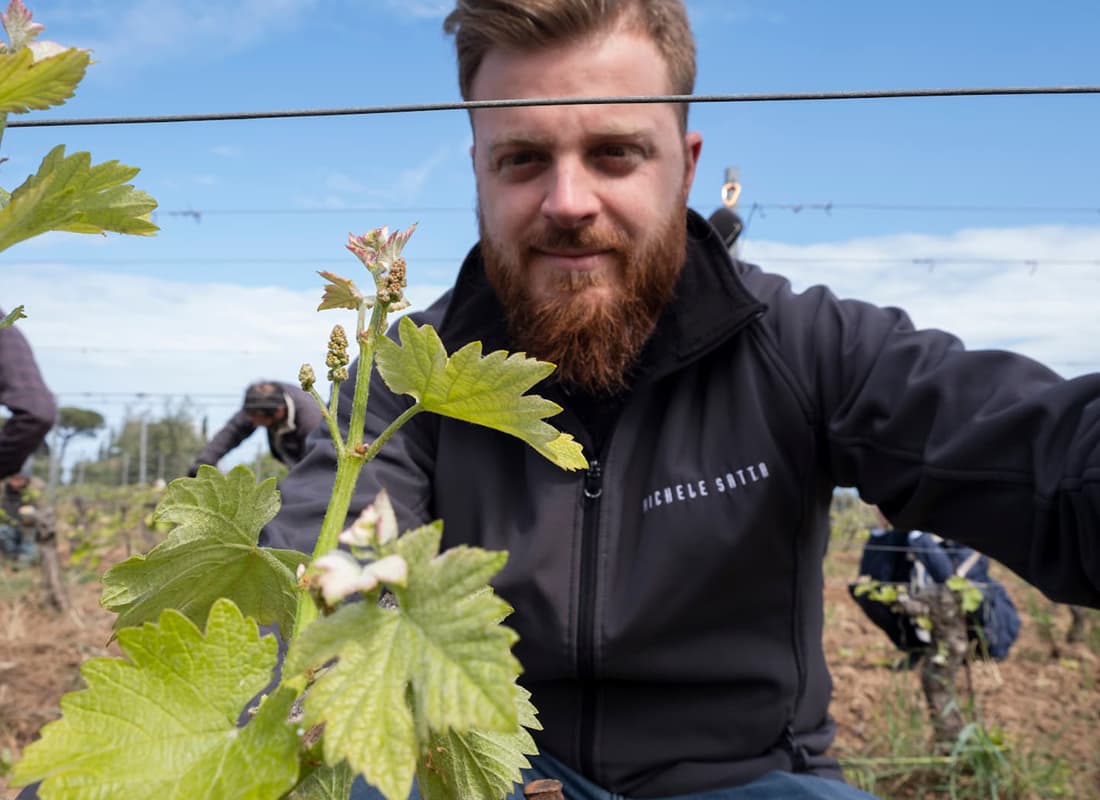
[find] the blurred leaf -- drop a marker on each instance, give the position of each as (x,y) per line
(68,193)
(325,783)
(26,84)
(12,318)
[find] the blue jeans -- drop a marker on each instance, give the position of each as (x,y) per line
(773,786)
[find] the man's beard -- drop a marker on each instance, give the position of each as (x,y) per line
(594,338)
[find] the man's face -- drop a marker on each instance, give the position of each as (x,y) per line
(265,419)
(582,208)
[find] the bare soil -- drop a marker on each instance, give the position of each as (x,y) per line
(1045,696)
(1046,702)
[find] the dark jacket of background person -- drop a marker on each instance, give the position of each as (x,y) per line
(31,405)
(669,602)
(917,558)
(287,438)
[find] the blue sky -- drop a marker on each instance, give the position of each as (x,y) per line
(214,302)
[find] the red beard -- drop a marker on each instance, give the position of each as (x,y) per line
(594,339)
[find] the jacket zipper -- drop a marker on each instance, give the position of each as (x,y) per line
(586,623)
(799,760)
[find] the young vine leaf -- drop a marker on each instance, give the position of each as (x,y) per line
(485,390)
(339,293)
(27,84)
(442,646)
(163,724)
(211,553)
(15,315)
(68,193)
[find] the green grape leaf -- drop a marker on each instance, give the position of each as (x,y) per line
(211,552)
(16,315)
(162,725)
(325,783)
(26,84)
(969,594)
(456,766)
(68,193)
(362,699)
(442,649)
(339,293)
(485,390)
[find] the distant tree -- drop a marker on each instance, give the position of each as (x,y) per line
(73,422)
(171,443)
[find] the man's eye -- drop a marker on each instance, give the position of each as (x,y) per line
(618,157)
(518,161)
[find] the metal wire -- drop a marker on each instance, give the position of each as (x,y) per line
(408,108)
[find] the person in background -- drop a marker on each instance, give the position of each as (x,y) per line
(31,406)
(288,413)
(916,559)
(669,600)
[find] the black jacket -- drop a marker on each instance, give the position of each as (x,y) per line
(287,439)
(669,601)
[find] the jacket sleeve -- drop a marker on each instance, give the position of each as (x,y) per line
(234,432)
(988,448)
(24,393)
(403,467)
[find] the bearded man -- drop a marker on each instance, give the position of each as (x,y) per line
(669,600)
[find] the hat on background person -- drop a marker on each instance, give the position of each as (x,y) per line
(263,397)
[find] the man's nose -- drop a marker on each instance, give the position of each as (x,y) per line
(571,198)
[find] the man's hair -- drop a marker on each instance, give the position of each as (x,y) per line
(264,397)
(480,25)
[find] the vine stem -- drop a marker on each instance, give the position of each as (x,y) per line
(366,340)
(391,429)
(350,456)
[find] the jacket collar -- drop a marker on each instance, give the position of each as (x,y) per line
(710,305)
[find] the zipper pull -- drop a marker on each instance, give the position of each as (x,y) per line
(799,761)
(593,487)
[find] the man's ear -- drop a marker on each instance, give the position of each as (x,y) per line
(693,146)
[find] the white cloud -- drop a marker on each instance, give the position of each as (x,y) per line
(975,283)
